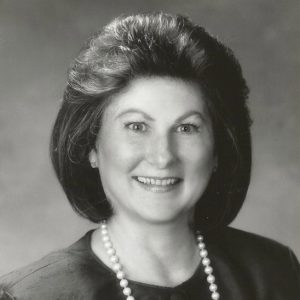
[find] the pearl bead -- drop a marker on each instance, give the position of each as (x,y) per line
(107,244)
(201,245)
(203,253)
(111,251)
(215,296)
(208,269)
(213,287)
(120,274)
(117,267)
(123,283)
(104,231)
(200,238)
(206,261)
(130,298)
(127,291)
(114,259)
(105,238)
(211,278)
(103,226)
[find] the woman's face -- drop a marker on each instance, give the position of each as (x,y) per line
(155,149)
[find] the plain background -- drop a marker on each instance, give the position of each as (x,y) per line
(39,38)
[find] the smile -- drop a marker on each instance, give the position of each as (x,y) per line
(158,184)
(158,181)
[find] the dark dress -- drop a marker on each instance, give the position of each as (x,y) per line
(246,266)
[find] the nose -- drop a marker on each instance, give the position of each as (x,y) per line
(161,152)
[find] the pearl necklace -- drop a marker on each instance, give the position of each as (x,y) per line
(118,268)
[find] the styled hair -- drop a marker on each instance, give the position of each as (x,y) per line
(143,45)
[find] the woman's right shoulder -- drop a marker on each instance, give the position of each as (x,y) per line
(48,277)
(28,278)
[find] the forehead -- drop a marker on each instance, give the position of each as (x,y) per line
(158,96)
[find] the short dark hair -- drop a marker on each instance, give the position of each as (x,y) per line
(155,44)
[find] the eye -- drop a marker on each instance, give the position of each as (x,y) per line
(137,126)
(187,128)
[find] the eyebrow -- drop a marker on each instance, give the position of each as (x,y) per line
(148,117)
(135,111)
(189,114)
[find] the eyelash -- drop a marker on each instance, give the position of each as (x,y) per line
(192,127)
(131,124)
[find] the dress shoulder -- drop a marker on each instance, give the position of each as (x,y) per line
(51,277)
(250,245)
(28,277)
(232,237)
(263,263)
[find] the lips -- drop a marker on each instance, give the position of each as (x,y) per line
(162,181)
(158,184)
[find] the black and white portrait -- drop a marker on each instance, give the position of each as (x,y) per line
(149,150)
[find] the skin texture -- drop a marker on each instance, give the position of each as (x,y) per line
(157,127)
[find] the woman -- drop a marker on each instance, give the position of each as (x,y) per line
(152,141)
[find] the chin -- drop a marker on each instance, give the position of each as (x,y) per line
(163,217)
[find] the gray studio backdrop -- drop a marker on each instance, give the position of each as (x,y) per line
(39,38)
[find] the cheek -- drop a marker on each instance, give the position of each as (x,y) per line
(198,168)
(119,153)
(198,158)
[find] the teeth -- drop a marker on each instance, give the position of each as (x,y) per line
(152,181)
(142,179)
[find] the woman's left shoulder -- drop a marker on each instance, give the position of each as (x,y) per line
(253,265)
(246,243)
(235,235)
(256,250)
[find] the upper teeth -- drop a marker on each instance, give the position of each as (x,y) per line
(153,181)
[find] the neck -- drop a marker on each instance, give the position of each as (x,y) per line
(166,250)
(159,239)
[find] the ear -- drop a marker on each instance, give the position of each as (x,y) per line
(93,158)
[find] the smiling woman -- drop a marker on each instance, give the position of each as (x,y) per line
(155,150)
(152,142)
